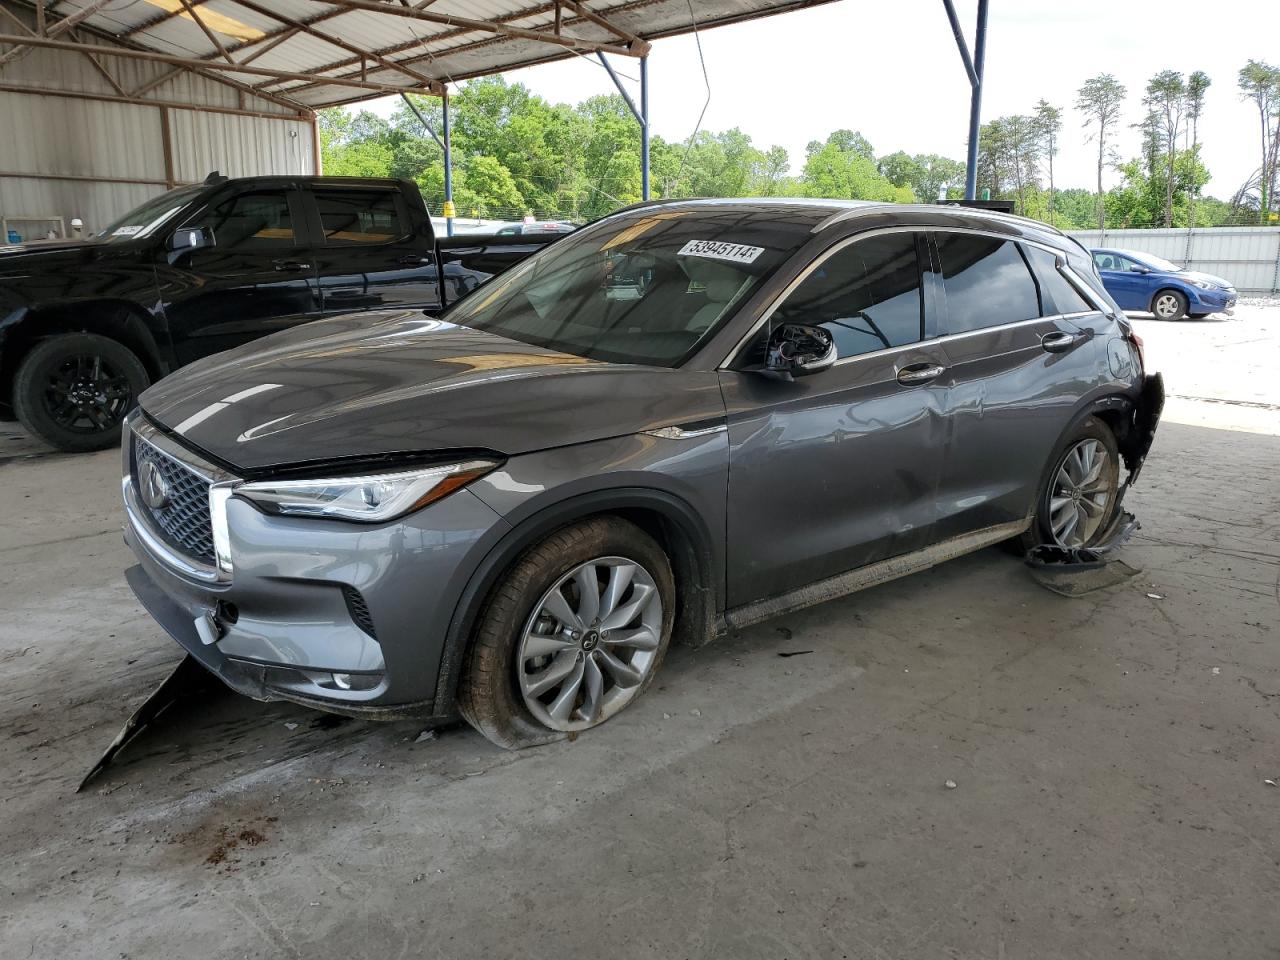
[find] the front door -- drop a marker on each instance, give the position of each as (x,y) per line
(374,253)
(1022,349)
(1125,280)
(254,276)
(838,469)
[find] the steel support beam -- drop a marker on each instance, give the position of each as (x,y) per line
(644,128)
(130,53)
(974,68)
(641,114)
(448,166)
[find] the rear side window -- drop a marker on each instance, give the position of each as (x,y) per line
(1055,289)
(987,282)
(359,216)
(867,295)
(252,221)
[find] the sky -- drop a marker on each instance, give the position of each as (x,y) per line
(892,72)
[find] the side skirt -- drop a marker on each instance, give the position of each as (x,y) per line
(871,575)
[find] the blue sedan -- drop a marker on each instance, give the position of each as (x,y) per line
(1140,281)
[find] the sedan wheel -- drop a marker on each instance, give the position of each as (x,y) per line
(1082,494)
(1169,305)
(590,644)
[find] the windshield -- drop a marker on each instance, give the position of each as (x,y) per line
(646,287)
(1157,263)
(145,219)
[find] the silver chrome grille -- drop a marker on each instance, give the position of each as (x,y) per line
(183,521)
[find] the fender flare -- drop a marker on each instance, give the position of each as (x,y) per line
(699,605)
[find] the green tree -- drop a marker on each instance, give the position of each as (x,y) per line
(1166,100)
(1259,82)
(844,168)
(1047,123)
(1100,100)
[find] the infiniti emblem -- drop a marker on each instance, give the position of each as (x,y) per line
(155,488)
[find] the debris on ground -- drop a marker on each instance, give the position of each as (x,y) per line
(1217,671)
(291,725)
(425,735)
(951,784)
(1155,596)
(1270,783)
(187,678)
(1074,571)
(695,712)
(793,653)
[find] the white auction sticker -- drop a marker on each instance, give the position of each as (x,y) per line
(126,231)
(720,250)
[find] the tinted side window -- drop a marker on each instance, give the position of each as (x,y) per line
(359,216)
(1056,290)
(252,221)
(987,282)
(867,295)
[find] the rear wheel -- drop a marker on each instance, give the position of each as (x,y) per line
(1079,495)
(73,390)
(573,634)
(1169,305)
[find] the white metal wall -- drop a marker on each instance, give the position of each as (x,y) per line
(111,156)
(1247,256)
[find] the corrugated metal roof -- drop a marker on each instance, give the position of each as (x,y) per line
(354,41)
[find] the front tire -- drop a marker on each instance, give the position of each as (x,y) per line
(571,635)
(1169,305)
(1079,493)
(74,390)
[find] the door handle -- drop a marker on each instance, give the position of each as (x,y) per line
(413,261)
(1059,342)
(915,373)
(290,265)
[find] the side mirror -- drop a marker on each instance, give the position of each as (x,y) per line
(798,349)
(1141,270)
(190,238)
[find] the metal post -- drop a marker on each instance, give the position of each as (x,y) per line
(975,102)
(644,128)
(449,212)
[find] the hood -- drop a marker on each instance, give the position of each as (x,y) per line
(372,384)
(22,260)
(1197,275)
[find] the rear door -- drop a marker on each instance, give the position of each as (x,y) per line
(1020,339)
(374,251)
(838,469)
(255,276)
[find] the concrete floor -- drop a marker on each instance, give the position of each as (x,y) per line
(1109,753)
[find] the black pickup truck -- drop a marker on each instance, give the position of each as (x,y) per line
(85,326)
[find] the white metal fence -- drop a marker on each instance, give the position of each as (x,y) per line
(1247,256)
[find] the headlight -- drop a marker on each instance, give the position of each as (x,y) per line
(1205,284)
(368,499)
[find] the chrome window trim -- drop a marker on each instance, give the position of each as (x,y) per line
(676,432)
(727,363)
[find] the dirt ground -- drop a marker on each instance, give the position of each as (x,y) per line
(782,794)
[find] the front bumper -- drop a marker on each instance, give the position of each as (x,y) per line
(284,623)
(1213,301)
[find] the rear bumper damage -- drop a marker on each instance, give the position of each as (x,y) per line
(1140,427)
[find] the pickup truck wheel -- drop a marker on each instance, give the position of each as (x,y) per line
(74,390)
(573,633)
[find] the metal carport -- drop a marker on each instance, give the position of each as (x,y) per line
(107,102)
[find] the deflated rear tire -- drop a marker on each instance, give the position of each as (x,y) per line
(1079,493)
(571,635)
(73,390)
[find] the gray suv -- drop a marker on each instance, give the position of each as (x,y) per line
(686,417)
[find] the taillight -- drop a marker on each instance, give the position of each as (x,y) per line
(1136,340)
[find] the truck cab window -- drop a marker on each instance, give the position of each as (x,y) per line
(252,221)
(359,216)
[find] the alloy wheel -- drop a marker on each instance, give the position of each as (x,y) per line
(1167,306)
(590,643)
(1081,493)
(84,393)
